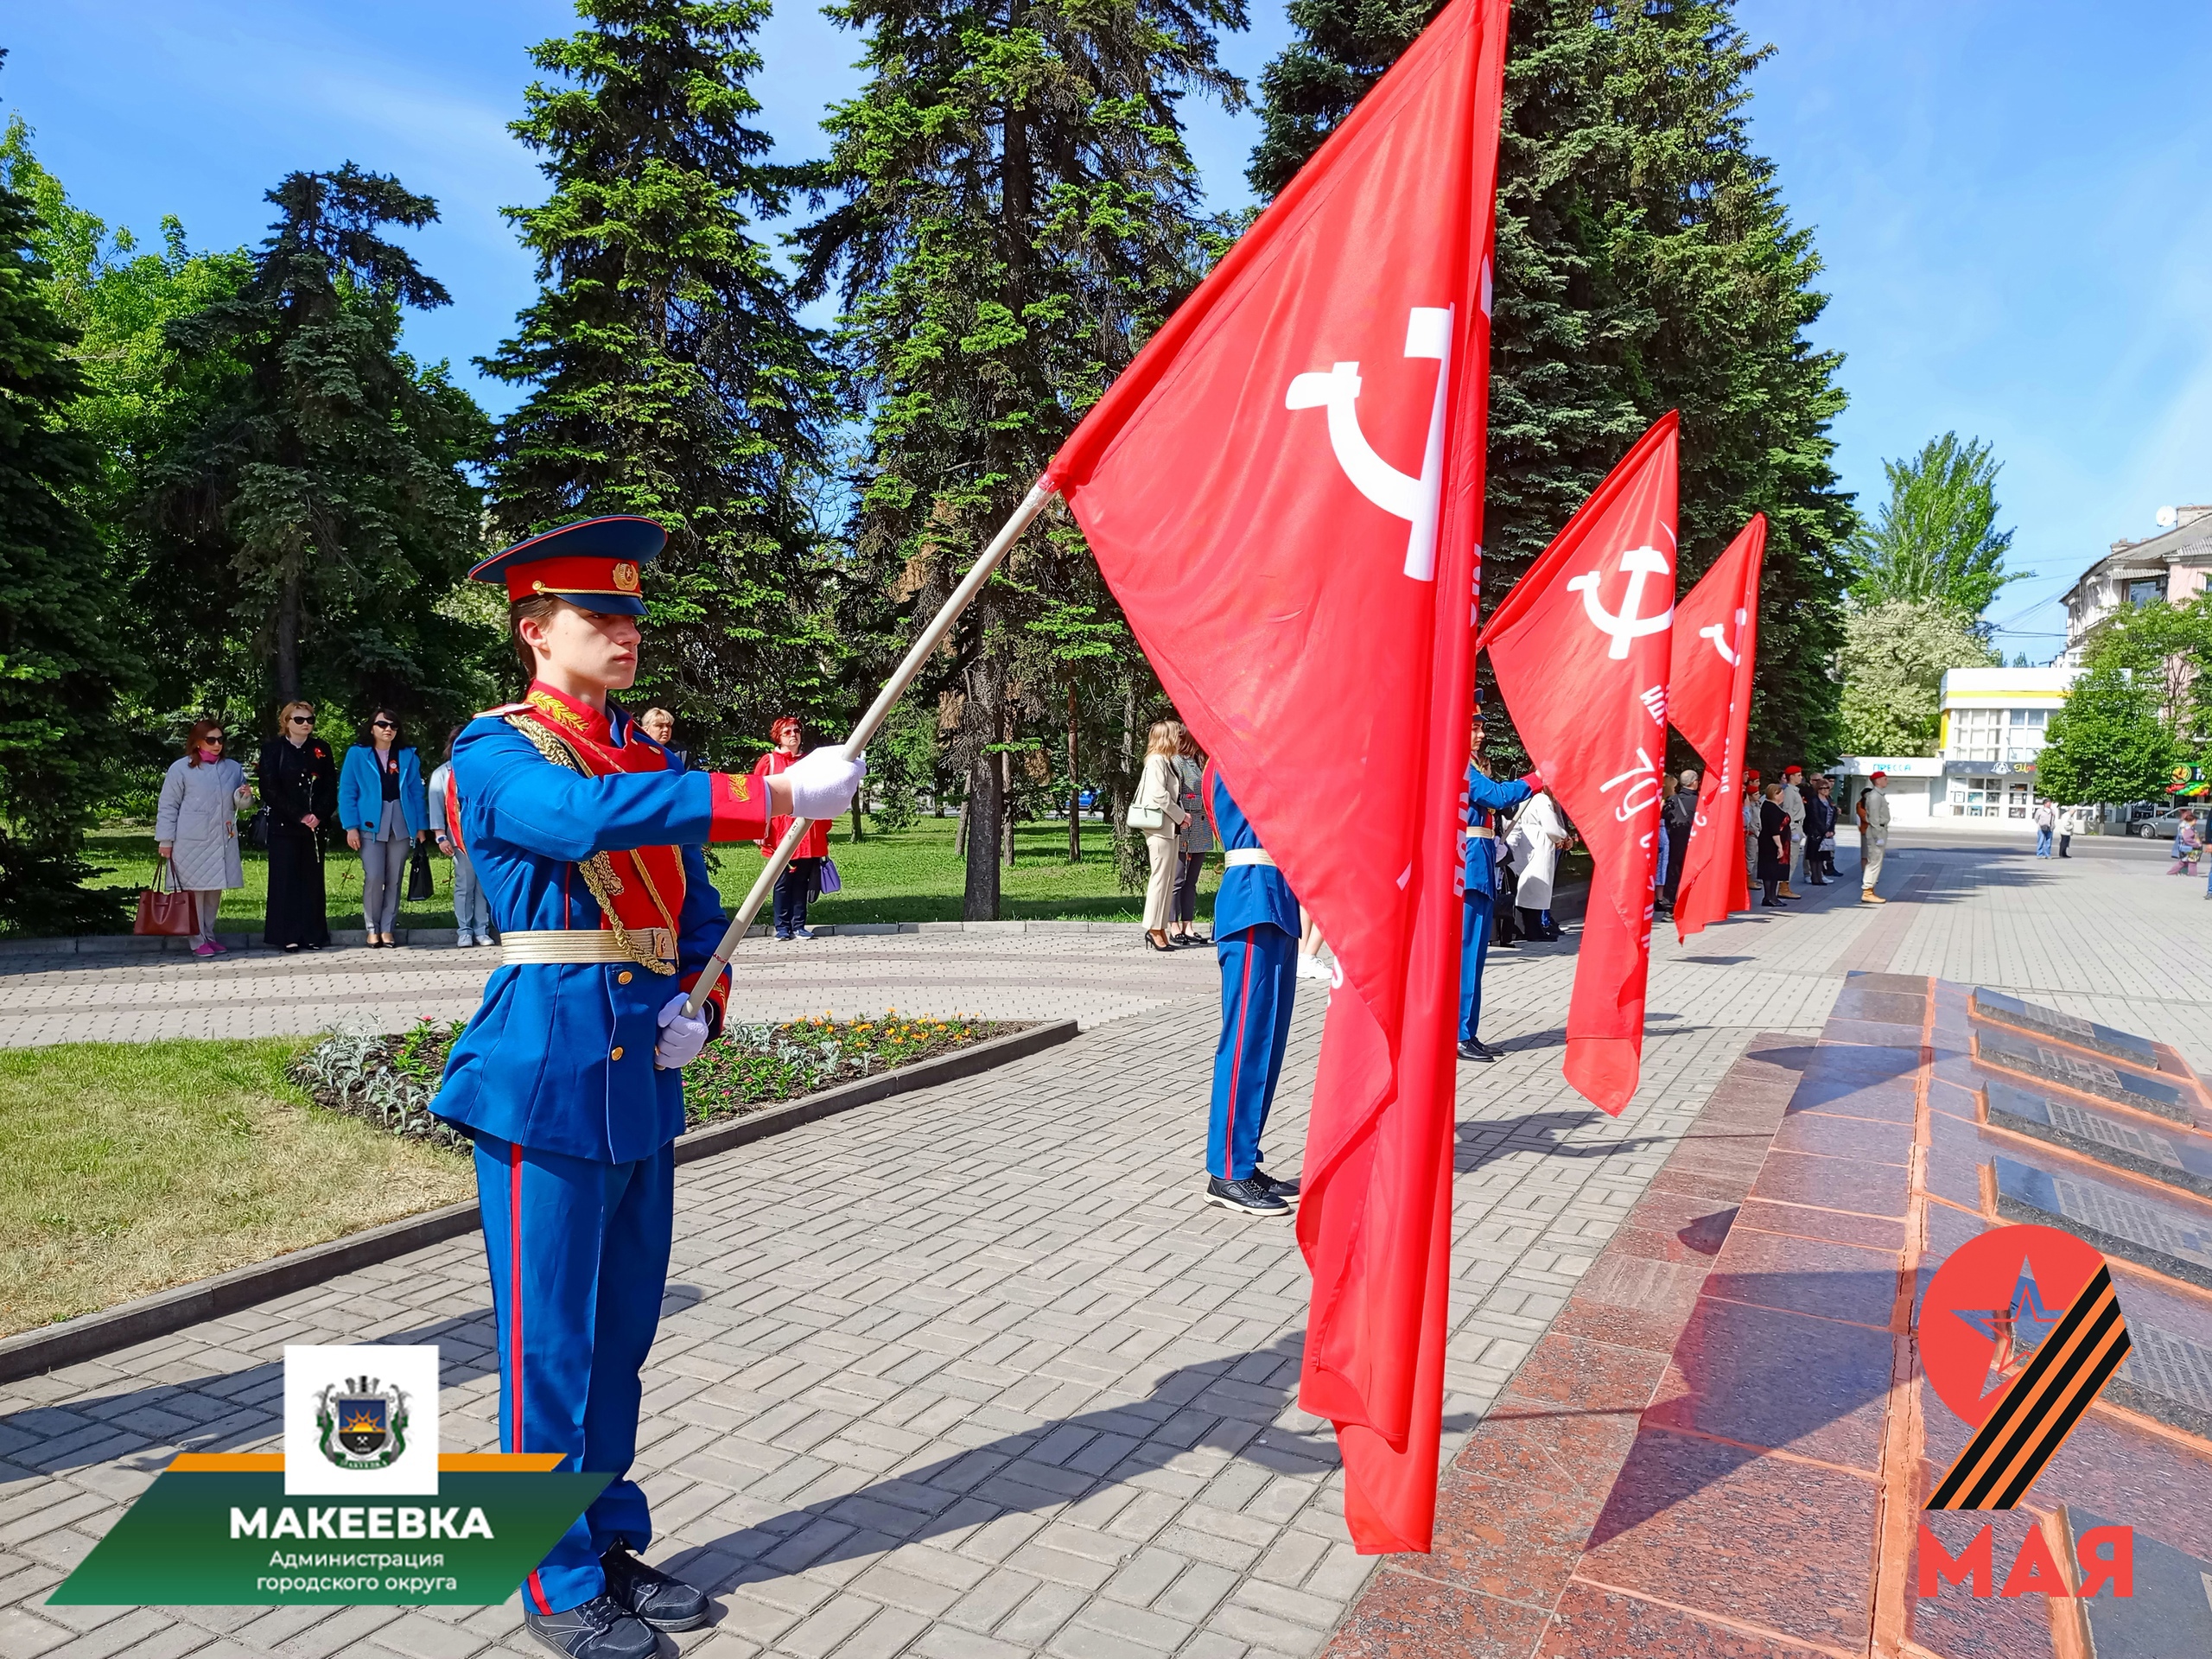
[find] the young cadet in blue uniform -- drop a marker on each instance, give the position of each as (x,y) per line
(570,1079)
(1484,799)
(1256,935)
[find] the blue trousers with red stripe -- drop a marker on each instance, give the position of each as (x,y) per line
(1259,978)
(579,1254)
(1474,951)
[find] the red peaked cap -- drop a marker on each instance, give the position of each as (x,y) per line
(593,563)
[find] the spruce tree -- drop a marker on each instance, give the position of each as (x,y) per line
(1645,262)
(1015,209)
(62,661)
(668,376)
(309,510)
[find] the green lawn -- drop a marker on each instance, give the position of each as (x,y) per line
(912,875)
(132,1166)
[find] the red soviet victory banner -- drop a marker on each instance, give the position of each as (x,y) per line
(1709,700)
(1581,649)
(1285,492)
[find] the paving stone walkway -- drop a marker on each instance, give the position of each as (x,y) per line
(972,1374)
(1087,974)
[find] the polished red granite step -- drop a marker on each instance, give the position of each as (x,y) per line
(1723,1443)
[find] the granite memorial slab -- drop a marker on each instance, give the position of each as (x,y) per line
(2160,1236)
(2170,1611)
(2166,1376)
(2082,1075)
(2182,1159)
(2050,1022)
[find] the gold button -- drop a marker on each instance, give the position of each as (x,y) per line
(617,1054)
(622,978)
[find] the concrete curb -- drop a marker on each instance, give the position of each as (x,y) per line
(114,944)
(29,1352)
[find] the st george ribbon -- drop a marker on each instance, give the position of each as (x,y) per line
(1581,648)
(1284,491)
(1709,700)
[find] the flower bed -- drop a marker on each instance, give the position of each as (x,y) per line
(390,1081)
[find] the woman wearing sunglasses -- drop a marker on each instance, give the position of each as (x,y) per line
(196,827)
(381,802)
(299,791)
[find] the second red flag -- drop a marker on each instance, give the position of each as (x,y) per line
(1580,648)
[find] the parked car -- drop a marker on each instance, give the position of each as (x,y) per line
(2164,827)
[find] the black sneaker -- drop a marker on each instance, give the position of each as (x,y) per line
(1287,1190)
(1472,1050)
(598,1629)
(1247,1195)
(649,1594)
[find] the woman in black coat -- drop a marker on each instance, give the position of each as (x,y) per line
(1774,847)
(299,785)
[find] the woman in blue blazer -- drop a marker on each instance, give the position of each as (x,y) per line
(380,802)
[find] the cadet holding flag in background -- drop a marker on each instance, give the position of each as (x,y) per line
(568,1079)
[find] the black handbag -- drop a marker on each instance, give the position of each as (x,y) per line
(257,833)
(420,883)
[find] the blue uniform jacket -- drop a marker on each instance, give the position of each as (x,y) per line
(1485,798)
(1251,893)
(360,792)
(561,1055)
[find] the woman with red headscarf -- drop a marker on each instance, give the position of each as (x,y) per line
(802,878)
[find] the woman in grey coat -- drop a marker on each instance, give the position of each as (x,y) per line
(196,827)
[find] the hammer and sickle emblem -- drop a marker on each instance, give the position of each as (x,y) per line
(1714,633)
(1429,333)
(1636,564)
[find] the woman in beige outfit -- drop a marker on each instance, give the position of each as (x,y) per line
(1158,811)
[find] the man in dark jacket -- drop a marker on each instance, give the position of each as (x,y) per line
(1680,814)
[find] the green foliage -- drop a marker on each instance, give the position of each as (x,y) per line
(902,763)
(1894,659)
(2169,649)
(120,299)
(1015,208)
(1935,537)
(1646,261)
(63,665)
(668,375)
(309,506)
(2107,743)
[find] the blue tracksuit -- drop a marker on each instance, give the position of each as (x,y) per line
(1484,799)
(1256,935)
(554,1080)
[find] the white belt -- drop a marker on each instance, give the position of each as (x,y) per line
(1237,855)
(1481,833)
(587,944)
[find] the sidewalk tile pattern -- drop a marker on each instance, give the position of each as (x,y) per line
(970,1373)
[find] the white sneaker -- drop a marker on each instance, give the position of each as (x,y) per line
(1314,968)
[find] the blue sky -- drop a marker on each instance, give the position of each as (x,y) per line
(2011,202)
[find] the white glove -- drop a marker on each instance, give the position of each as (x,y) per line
(823,782)
(681,1036)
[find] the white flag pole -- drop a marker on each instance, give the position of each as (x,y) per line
(925,646)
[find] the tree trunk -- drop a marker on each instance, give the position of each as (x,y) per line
(1005,791)
(1075,789)
(960,833)
(1117,802)
(288,631)
(857,833)
(985,714)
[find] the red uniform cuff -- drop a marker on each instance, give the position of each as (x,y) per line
(741,807)
(1534,781)
(715,1008)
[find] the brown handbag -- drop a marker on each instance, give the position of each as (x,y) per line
(163,908)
